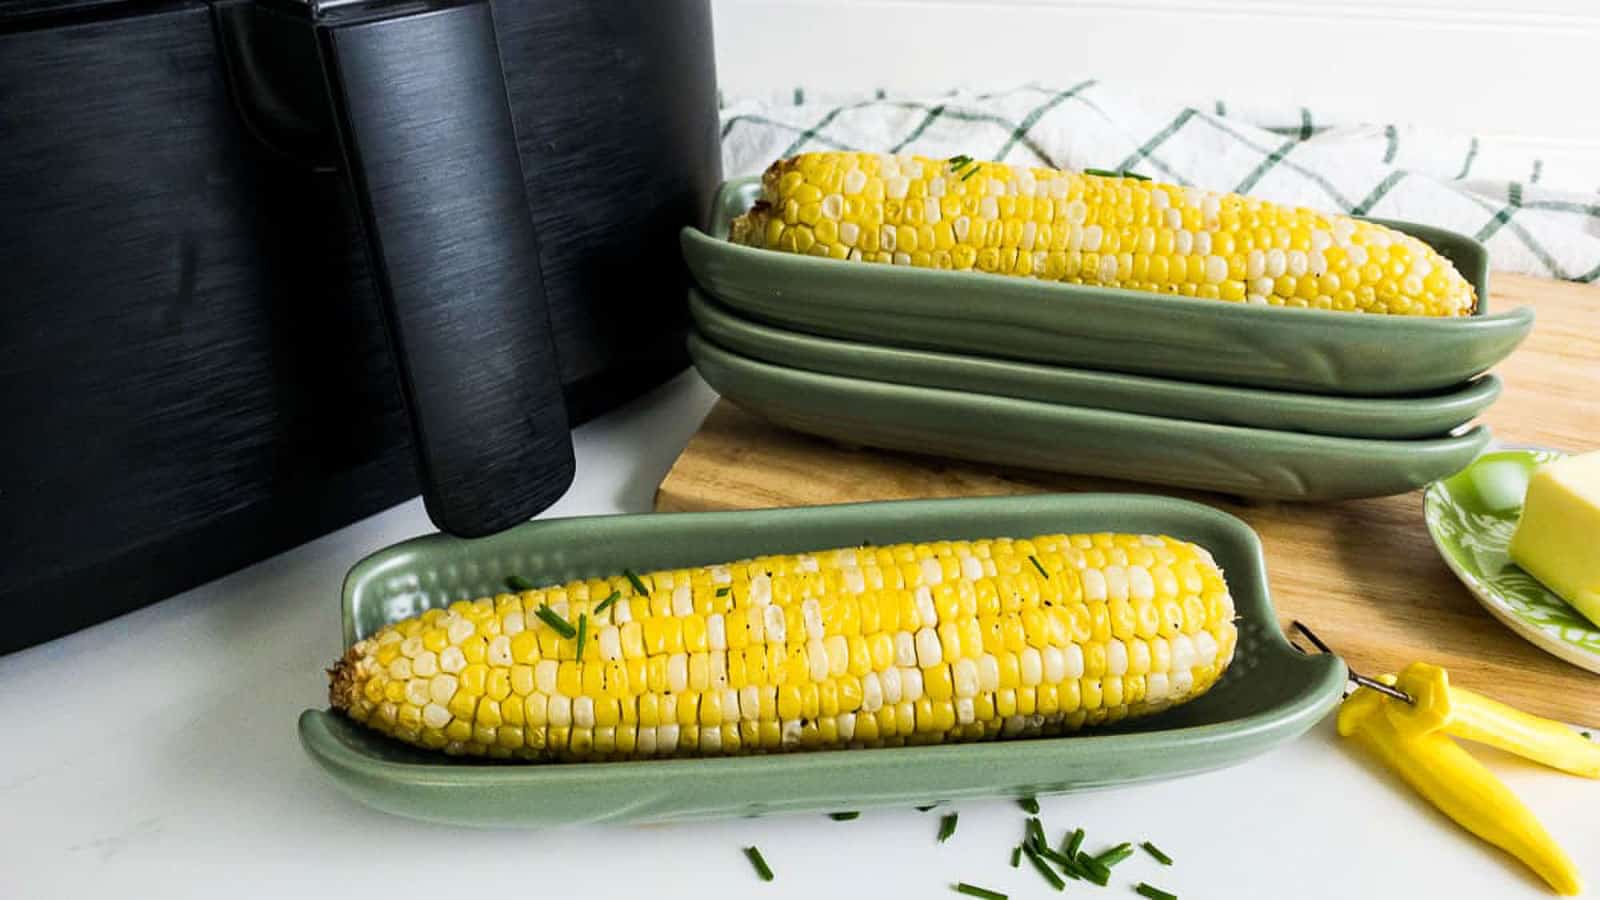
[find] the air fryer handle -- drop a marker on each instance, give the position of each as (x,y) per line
(426,133)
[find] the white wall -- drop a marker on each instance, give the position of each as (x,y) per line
(1529,71)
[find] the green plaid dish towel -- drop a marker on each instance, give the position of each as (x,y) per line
(1493,191)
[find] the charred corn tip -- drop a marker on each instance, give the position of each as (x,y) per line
(1094,229)
(850,647)
(344,684)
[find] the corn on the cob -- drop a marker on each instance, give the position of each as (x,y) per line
(856,647)
(1092,229)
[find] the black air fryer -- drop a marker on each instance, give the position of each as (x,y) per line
(269,267)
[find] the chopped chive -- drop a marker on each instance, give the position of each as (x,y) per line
(762,869)
(1103,173)
(1035,560)
(1155,851)
(971,172)
(1586,735)
(972,890)
(1029,804)
(1068,867)
(1115,855)
(1016,856)
(844,816)
(926,808)
(553,619)
(606,603)
(1035,833)
(1154,893)
(1044,868)
(638,586)
(1074,843)
(1135,176)
(518,583)
(1094,870)
(583,634)
(723,591)
(947,827)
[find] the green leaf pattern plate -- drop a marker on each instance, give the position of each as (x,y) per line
(1471,516)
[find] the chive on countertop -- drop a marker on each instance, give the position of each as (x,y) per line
(759,863)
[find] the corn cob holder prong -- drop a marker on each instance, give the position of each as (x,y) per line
(1407,722)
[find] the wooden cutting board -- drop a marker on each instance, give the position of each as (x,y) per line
(1363,573)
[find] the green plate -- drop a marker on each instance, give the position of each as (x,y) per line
(1471,517)
(1269,695)
(1107,328)
(1246,462)
(1380,417)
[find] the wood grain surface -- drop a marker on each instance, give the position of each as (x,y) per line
(1363,573)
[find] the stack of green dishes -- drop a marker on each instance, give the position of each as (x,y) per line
(1268,403)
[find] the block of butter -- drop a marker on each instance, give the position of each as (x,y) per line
(1558,538)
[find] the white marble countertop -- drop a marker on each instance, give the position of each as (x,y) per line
(156,756)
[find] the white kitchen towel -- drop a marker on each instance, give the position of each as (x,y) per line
(1532,220)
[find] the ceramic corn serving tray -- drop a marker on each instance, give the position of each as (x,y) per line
(1270,693)
(1051,437)
(1108,328)
(1380,417)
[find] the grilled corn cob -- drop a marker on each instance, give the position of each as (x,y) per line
(1092,229)
(857,647)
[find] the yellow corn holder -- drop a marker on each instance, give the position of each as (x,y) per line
(1407,722)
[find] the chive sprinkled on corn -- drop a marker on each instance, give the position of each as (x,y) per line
(1155,851)
(518,583)
(852,647)
(1107,173)
(947,827)
(583,634)
(552,618)
(759,862)
(1094,227)
(638,586)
